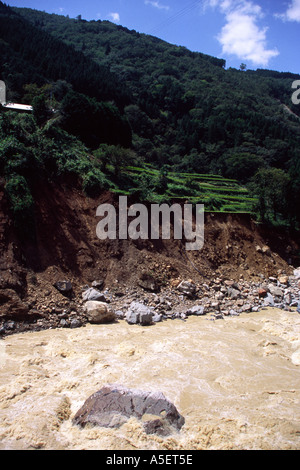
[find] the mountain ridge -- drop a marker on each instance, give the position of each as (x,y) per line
(177,110)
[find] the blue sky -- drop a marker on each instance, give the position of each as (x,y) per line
(259,33)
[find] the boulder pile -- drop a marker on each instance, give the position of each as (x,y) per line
(66,307)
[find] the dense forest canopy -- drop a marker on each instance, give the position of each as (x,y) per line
(125,98)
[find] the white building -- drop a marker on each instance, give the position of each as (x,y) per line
(13,106)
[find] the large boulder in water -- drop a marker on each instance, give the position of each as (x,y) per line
(113,405)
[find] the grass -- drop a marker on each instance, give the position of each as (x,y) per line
(217,193)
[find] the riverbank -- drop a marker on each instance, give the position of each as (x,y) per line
(67,305)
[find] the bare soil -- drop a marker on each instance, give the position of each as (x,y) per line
(65,246)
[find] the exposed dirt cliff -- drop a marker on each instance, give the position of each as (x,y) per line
(66,246)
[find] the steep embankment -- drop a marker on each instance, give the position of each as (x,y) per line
(66,248)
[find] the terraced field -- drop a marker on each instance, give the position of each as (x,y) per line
(217,193)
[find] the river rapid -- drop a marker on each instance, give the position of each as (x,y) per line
(236,381)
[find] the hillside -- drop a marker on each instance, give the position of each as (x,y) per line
(115,113)
(188,113)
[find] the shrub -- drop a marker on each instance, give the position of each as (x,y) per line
(94,182)
(21,203)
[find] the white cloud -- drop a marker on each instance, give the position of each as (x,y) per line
(242,36)
(246,6)
(114,17)
(157,4)
(292,13)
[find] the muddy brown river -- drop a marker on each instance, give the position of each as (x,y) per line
(236,381)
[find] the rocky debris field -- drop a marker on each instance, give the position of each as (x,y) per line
(63,305)
(66,277)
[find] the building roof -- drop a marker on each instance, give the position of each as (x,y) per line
(16,106)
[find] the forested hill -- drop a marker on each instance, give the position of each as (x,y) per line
(187,113)
(29,55)
(184,100)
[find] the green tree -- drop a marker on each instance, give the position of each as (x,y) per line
(242,166)
(41,111)
(94,123)
(94,182)
(21,204)
(271,187)
(114,155)
(162,183)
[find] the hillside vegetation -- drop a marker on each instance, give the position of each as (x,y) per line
(120,110)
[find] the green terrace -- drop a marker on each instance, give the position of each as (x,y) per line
(217,193)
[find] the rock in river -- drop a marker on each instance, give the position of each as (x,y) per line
(196,310)
(113,405)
